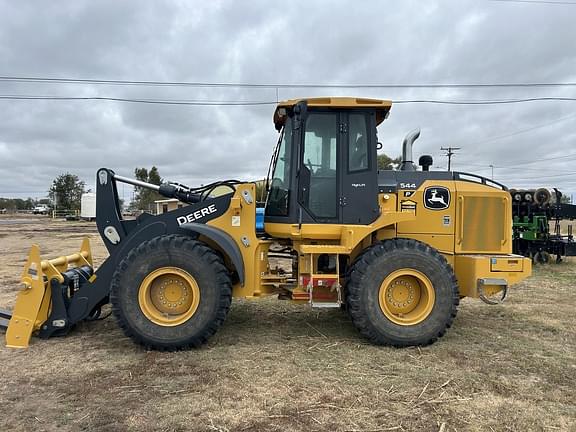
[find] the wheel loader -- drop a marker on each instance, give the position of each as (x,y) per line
(396,249)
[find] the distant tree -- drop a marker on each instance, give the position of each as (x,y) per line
(385,162)
(564,199)
(29,204)
(154,176)
(260,190)
(7,203)
(13,204)
(22,204)
(66,191)
(144,198)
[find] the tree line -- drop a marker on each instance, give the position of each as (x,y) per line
(13,204)
(66,190)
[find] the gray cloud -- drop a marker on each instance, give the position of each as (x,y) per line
(297,42)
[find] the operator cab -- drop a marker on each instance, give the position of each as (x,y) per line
(324,168)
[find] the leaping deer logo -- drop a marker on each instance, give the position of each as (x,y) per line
(437,198)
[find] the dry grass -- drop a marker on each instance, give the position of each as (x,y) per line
(275,366)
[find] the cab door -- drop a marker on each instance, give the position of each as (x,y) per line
(319,189)
(358,199)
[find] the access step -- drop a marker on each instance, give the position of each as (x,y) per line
(319,296)
(325,305)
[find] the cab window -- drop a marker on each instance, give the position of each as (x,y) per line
(279,192)
(320,158)
(357,143)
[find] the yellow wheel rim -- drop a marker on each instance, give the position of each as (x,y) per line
(406,297)
(169,296)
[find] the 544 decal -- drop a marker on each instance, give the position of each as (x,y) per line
(407,185)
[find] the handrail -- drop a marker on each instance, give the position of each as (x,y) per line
(483,180)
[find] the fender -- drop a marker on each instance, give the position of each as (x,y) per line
(222,239)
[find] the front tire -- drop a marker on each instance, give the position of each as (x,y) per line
(171,293)
(402,292)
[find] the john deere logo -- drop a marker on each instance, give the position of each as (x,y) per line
(436,198)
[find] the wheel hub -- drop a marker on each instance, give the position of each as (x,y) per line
(401,293)
(406,297)
(169,296)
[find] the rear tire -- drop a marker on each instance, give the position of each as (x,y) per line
(171,293)
(542,257)
(402,292)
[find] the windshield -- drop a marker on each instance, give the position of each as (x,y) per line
(279,183)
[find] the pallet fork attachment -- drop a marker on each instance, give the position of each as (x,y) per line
(42,297)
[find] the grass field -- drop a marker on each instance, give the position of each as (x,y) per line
(275,366)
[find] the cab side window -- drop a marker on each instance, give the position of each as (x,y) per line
(357,143)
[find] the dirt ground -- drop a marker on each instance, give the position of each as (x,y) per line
(275,366)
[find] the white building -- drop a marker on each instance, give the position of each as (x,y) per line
(166,205)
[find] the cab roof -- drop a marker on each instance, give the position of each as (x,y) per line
(382,107)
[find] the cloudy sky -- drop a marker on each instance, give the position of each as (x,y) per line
(278,43)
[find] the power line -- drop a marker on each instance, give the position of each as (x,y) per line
(249,103)
(521,131)
(49,80)
(511,168)
(520,165)
(144,101)
(485,102)
(512,176)
(544,176)
(536,2)
(570,156)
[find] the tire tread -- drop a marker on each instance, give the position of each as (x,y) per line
(194,247)
(355,288)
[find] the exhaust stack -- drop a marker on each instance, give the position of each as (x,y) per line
(407,160)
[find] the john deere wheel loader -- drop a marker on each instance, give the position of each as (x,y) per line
(397,248)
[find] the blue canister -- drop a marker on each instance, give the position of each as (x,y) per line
(260,219)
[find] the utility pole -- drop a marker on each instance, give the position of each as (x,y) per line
(449,153)
(492,167)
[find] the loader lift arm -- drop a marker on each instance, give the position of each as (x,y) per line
(90,293)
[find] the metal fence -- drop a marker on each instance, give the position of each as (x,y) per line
(60,214)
